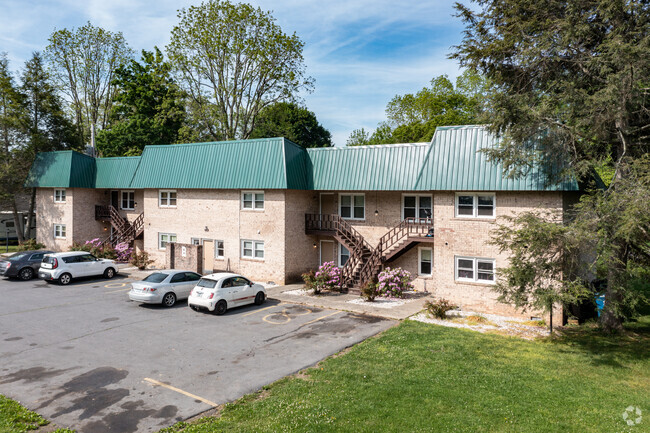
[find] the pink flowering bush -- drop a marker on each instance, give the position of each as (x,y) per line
(123,252)
(328,277)
(392,283)
(95,248)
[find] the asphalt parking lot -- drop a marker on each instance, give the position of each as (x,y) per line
(86,357)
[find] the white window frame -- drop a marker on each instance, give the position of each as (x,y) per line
(62,195)
(420,249)
(340,250)
(216,249)
(168,199)
(196,241)
(417,203)
(352,196)
(475,214)
(169,240)
(475,261)
(122,199)
(61,229)
(254,201)
(254,249)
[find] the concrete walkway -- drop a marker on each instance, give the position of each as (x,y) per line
(412,304)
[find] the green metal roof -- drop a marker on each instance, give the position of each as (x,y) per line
(62,169)
(393,167)
(269,163)
(453,161)
(116,172)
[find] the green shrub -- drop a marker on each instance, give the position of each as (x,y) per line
(30,244)
(369,291)
(140,260)
(439,308)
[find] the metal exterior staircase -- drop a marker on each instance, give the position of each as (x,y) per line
(366,262)
(123,231)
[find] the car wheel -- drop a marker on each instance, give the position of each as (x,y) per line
(169,299)
(26,274)
(259,298)
(109,273)
(220,308)
(65,279)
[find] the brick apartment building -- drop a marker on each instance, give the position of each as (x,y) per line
(271,210)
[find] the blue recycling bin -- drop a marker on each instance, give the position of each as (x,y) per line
(600,303)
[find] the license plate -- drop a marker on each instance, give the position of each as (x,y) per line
(199,294)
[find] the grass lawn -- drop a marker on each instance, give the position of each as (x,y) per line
(418,377)
(12,248)
(16,419)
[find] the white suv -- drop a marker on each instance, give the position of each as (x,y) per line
(63,267)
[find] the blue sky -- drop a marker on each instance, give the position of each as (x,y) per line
(360,52)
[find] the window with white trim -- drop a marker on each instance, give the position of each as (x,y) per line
(59,196)
(59,231)
(475,205)
(164,239)
(252,249)
(167,198)
(352,206)
(252,200)
(218,249)
(128,200)
(195,241)
(344,255)
(475,270)
(417,206)
(425,262)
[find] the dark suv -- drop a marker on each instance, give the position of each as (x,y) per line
(23,264)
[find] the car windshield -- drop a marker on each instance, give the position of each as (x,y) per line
(16,257)
(156,277)
(203,282)
(48,259)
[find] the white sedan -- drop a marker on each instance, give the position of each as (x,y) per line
(218,292)
(164,287)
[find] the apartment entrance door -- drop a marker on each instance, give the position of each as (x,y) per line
(327,203)
(326,251)
(208,256)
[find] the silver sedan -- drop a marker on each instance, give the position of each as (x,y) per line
(164,287)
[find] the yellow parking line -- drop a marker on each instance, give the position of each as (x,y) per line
(121,290)
(261,309)
(323,317)
(180,391)
(114,285)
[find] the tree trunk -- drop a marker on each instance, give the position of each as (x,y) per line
(30,215)
(610,319)
(17,222)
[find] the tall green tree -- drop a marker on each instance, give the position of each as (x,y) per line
(47,126)
(289,120)
(83,62)
(415,117)
(148,107)
(235,60)
(31,120)
(13,121)
(572,82)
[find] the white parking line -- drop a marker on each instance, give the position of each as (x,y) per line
(180,391)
